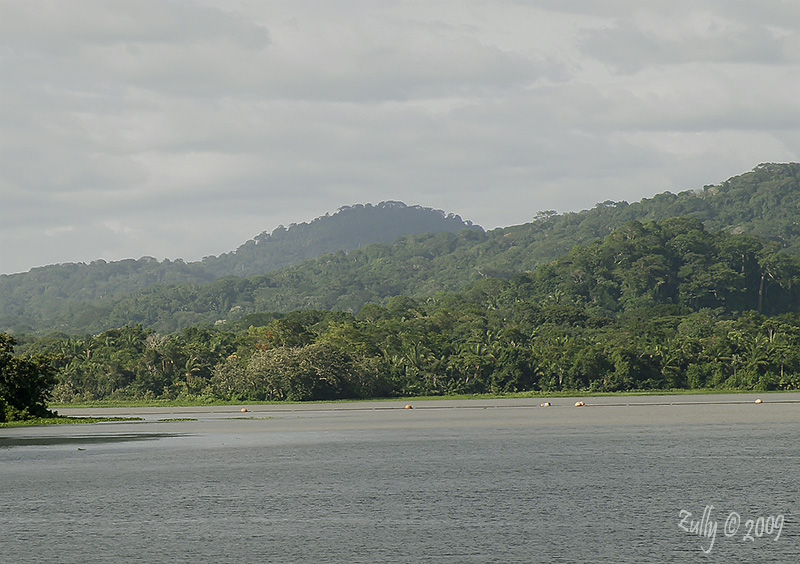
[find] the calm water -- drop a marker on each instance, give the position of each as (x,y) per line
(497,481)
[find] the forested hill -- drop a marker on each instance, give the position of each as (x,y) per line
(350,228)
(764,202)
(657,305)
(34,300)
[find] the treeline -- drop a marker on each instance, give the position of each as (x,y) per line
(653,306)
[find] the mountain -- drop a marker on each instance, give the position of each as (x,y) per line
(64,296)
(764,202)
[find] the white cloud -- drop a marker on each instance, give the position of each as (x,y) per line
(182,128)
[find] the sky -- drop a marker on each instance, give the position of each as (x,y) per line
(181,129)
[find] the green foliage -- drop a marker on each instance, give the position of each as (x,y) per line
(25,383)
(656,305)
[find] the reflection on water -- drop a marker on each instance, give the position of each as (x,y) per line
(8,442)
(500,484)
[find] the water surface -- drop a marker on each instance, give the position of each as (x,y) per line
(475,481)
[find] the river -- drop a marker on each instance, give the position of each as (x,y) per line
(622,479)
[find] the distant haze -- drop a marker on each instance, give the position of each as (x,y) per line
(183,129)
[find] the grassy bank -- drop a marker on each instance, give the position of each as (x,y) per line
(46,421)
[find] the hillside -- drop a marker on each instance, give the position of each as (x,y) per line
(764,203)
(350,228)
(67,296)
(654,305)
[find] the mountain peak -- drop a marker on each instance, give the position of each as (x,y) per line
(351,227)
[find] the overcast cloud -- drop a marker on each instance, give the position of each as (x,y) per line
(183,128)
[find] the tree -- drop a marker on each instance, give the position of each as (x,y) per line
(25,383)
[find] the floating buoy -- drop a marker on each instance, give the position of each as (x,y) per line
(408,406)
(759,400)
(579,404)
(545,404)
(244,410)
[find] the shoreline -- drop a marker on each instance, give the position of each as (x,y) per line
(522,396)
(320,419)
(264,410)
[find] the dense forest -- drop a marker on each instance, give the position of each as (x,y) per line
(696,290)
(352,227)
(655,305)
(763,203)
(78,297)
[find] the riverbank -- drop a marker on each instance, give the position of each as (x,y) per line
(200,402)
(63,420)
(641,408)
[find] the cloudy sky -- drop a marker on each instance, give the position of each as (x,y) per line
(183,128)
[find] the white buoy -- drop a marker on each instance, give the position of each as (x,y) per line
(545,404)
(759,400)
(244,410)
(408,406)
(579,404)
